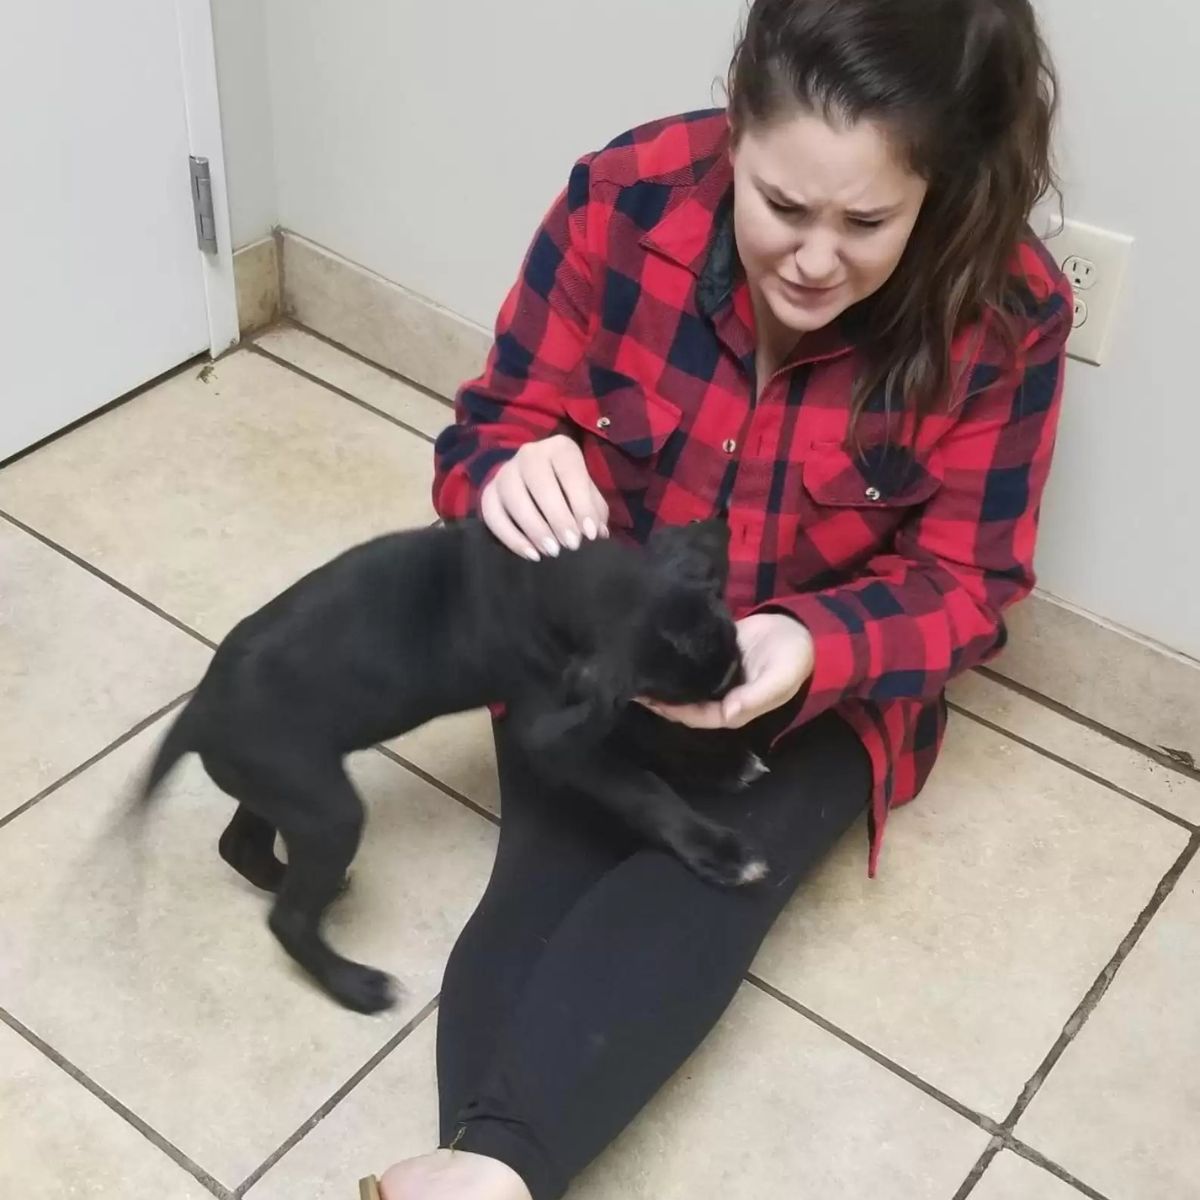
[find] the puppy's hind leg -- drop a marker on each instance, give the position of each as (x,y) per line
(321,827)
(248,843)
(248,846)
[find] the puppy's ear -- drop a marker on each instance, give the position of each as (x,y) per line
(583,712)
(693,554)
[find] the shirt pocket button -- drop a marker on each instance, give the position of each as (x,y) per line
(729,445)
(873,494)
(604,423)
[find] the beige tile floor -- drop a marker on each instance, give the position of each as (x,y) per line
(1006,1013)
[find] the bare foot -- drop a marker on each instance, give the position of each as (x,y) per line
(452,1175)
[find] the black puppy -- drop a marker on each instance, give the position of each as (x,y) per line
(415,625)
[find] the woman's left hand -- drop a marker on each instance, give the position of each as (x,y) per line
(777,656)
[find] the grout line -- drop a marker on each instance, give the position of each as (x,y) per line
(370,362)
(1102,983)
(1115,735)
(984,1123)
(1096,992)
(128,592)
(128,735)
(445,788)
(976,1172)
(290,1142)
(1002,1135)
(110,1101)
(1040,1160)
(255,348)
(1174,818)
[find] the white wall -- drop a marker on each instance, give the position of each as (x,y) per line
(1121,534)
(424,140)
(240,37)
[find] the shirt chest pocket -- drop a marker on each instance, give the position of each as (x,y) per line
(624,419)
(884,477)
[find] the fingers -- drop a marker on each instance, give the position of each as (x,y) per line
(695,716)
(542,486)
(582,496)
(543,499)
(491,509)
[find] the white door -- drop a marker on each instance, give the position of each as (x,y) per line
(102,285)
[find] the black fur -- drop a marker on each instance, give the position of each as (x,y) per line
(416,625)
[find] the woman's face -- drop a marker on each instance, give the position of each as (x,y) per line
(822,213)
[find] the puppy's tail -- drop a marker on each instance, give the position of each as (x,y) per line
(179,741)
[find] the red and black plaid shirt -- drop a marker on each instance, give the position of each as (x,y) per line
(631,330)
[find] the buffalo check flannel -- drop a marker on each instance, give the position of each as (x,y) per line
(631,330)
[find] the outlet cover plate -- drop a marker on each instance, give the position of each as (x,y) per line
(1109,253)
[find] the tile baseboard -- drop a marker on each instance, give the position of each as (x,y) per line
(379,319)
(1104,675)
(256,280)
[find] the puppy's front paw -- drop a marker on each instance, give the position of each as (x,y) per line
(363,989)
(721,856)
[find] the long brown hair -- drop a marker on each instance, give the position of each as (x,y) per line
(968,90)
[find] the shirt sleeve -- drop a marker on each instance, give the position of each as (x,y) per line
(930,608)
(540,336)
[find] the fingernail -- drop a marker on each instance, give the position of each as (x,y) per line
(604,531)
(589,529)
(551,547)
(532,554)
(571,539)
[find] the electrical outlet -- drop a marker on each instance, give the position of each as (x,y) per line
(1094,261)
(1080,271)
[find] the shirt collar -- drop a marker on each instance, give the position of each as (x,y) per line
(685,233)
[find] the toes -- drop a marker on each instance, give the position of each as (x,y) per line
(752,769)
(721,856)
(364,989)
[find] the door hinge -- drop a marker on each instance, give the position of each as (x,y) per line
(202,205)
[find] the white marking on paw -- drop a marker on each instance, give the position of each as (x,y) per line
(752,769)
(752,872)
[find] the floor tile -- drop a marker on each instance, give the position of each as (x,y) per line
(1010,1177)
(1002,892)
(1121,1109)
(142,958)
(391,1115)
(1084,747)
(460,752)
(771,1105)
(209,496)
(83,664)
(387,393)
(58,1140)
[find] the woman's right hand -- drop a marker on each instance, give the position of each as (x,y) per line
(543,499)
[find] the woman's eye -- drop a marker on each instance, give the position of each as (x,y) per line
(860,223)
(784,210)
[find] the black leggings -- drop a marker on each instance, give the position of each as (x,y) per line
(594,965)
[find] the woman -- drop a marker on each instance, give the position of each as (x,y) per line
(821,316)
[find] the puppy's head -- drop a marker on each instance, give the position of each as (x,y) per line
(677,645)
(687,649)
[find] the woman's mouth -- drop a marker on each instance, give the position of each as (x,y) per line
(806,292)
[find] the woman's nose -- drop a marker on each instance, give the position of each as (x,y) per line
(817,259)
